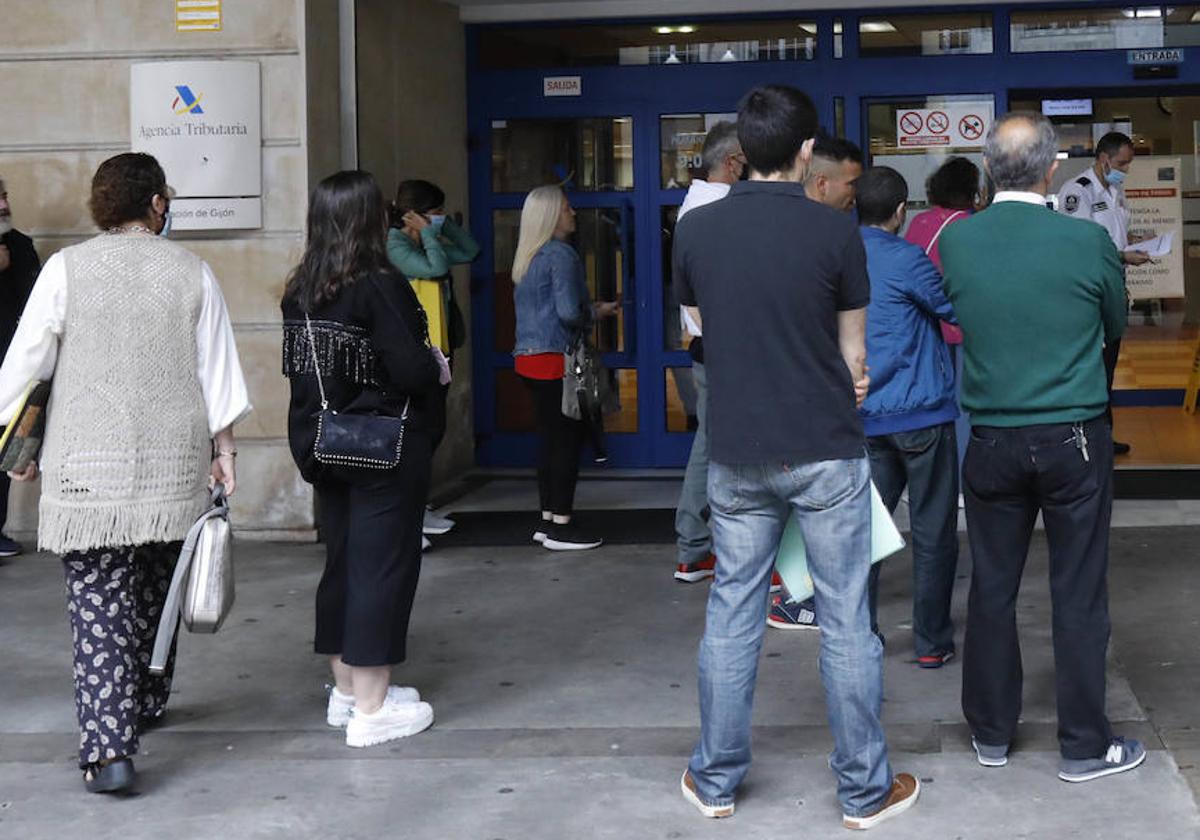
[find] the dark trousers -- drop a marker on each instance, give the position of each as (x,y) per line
(115,597)
(371,522)
(1112,352)
(560,440)
(926,461)
(1011,475)
(5,484)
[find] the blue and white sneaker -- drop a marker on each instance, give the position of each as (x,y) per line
(10,547)
(792,616)
(990,756)
(1123,754)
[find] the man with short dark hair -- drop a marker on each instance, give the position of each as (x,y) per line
(19,267)
(784,317)
(1098,195)
(1036,293)
(724,164)
(836,165)
(909,414)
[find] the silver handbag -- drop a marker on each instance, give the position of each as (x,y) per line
(202,587)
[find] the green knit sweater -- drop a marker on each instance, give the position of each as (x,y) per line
(1037,294)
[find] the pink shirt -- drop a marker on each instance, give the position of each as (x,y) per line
(925,231)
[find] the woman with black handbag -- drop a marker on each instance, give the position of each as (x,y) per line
(356,349)
(554,312)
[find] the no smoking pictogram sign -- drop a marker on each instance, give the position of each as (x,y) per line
(937,122)
(971,127)
(911,123)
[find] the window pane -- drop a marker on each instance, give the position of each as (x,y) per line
(681,400)
(604,239)
(696,42)
(939,34)
(916,164)
(1058,30)
(1181,26)
(590,155)
(681,141)
(505,224)
(674,337)
(621,412)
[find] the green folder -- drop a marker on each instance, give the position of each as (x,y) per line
(792,560)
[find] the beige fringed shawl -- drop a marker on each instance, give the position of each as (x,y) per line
(127,442)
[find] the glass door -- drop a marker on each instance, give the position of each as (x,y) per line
(1163,195)
(592,159)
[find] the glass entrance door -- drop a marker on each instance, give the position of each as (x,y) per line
(1163,194)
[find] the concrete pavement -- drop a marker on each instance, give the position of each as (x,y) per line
(564,688)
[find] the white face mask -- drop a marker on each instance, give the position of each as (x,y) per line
(5,225)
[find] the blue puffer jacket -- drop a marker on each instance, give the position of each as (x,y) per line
(552,301)
(912,377)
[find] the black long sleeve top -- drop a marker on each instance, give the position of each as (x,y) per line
(372,344)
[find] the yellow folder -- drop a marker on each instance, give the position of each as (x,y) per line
(433,301)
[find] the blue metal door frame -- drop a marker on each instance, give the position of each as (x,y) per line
(647,92)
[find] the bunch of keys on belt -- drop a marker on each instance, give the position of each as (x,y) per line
(1080,437)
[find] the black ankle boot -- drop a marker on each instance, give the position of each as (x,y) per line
(115,777)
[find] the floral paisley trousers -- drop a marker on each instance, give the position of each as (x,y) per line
(114,598)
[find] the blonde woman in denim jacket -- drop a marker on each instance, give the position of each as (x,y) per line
(553,309)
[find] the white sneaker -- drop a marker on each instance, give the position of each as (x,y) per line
(435,524)
(391,721)
(337,713)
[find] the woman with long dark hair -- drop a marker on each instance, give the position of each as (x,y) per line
(347,310)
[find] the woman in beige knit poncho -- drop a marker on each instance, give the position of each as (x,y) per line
(146,388)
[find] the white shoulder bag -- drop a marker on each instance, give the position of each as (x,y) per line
(202,586)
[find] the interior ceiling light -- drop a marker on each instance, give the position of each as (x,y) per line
(1195,17)
(810,28)
(671,30)
(876,26)
(729,56)
(1142,13)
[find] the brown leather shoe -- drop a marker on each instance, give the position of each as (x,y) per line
(688,787)
(904,793)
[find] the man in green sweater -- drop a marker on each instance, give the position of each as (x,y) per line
(1037,295)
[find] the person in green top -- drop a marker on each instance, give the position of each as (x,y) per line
(1037,295)
(424,243)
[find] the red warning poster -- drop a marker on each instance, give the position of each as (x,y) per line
(962,126)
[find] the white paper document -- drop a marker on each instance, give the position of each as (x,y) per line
(1159,246)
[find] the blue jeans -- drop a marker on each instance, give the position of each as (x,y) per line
(750,506)
(691,531)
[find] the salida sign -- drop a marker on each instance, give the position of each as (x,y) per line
(945,127)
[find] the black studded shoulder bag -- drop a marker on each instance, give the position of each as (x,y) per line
(373,441)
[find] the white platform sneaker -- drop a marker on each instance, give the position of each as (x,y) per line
(337,713)
(391,721)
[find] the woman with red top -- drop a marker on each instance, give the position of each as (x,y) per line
(953,192)
(553,310)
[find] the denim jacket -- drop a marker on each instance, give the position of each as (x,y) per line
(552,301)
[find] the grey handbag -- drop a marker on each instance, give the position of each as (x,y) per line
(202,587)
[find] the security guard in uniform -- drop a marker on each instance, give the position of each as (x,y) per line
(1098,195)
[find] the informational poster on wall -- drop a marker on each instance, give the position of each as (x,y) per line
(953,125)
(202,120)
(1154,195)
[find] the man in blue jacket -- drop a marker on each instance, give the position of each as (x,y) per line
(910,411)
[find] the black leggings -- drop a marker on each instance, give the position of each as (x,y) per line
(560,442)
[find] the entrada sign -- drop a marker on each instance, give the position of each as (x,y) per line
(1153,57)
